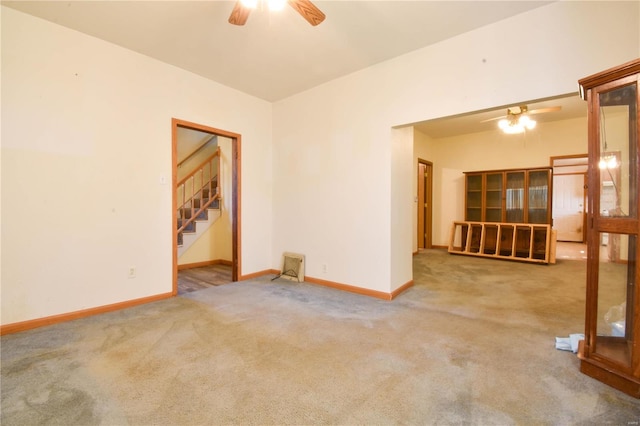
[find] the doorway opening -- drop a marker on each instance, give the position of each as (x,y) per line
(177,126)
(570,197)
(425,197)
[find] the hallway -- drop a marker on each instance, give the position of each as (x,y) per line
(571,251)
(204,277)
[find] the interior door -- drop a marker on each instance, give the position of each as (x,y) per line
(428,208)
(421,196)
(425,187)
(568,206)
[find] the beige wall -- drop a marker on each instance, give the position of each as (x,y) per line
(86,145)
(489,151)
(87,124)
(339,192)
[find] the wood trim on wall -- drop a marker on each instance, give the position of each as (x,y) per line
(235,195)
(259,274)
(204,263)
(55,319)
(509,170)
(339,286)
(174,206)
(395,293)
(566,157)
(236,215)
(359,290)
(427,238)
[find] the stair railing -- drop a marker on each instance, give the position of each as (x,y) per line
(197,150)
(198,190)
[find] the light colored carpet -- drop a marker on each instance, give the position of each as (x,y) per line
(471,343)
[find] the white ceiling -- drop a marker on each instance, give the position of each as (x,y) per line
(278,54)
(571,107)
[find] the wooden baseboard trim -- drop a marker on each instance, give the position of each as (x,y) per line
(205,263)
(17,327)
(258,274)
(432,247)
(338,286)
(349,288)
(359,290)
(401,289)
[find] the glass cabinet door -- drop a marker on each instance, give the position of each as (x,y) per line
(614,275)
(493,194)
(616,292)
(473,210)
(538,196)
(514,197)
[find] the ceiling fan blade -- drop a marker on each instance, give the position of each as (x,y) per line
(308,10)
(523,110)
(239,14)
(494,118)
(543,110)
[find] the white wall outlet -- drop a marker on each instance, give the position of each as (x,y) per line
(324,268)
(132,272)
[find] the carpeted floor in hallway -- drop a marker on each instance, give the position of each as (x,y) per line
(471,343)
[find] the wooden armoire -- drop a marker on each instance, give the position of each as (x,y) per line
(611,349)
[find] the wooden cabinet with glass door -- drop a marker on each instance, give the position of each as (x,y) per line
(507,197)
(474,185)
(538,200)
(493,197)
(511,196)
(610,351)
(514,196)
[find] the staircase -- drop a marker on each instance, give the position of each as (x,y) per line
(198,201)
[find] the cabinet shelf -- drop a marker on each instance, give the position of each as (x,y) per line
(522,242)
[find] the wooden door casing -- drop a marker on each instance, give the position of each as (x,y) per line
(424,199)
(569,206)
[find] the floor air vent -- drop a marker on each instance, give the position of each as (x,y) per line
(292,267)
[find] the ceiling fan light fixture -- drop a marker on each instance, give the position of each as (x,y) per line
(514,124)
(252,4)
(275,5)
(526,122)
(608,162)
(305,8)
(513,129)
